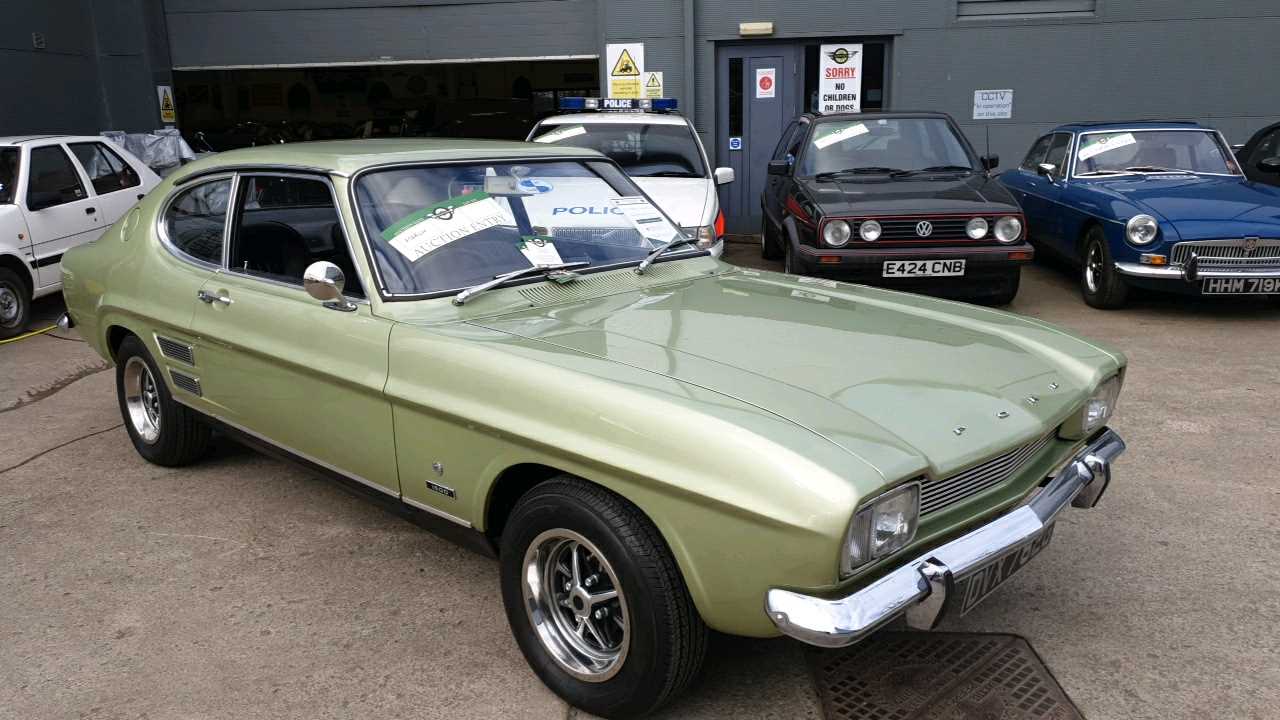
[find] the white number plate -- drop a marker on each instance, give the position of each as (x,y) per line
(1240,286)
(923,268)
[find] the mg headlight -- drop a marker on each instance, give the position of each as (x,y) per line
(870,231)
(836,233)
(976,228)
(882,527)
(1095,413)
(706,235)
(1141,229)
(1008,229)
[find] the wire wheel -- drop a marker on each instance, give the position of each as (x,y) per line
(576,605)
(142,399)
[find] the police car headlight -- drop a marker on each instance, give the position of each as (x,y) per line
(976,229)
(881,528)
(1008,229)
(869,230)
(1142,229)
(1095,412)
(706,235)
(837,233)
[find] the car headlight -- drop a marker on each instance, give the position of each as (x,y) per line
(1095,413)
(881,528)
(1008,229)
(976,229)
(706,235)
(1142,229)
(836,233)
(869,230)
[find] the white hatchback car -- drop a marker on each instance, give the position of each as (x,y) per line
(660,151)
(56,192)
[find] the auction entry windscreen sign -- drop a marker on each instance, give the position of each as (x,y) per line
(840,78)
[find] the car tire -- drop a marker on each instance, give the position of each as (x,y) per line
(163,431)
(648,645)
(1011,282)
(1100,284)
(769,247)
(15,304)
(789,260)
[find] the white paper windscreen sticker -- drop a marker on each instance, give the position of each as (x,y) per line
(563,132)
(432,228)
(1103,143)
(540,251)
(651,223)
(842,134)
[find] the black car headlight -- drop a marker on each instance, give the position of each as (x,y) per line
(881,527)
(1095,412)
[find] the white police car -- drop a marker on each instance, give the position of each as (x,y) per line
(656,147)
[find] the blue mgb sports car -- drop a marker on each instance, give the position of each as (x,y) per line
(1156,205)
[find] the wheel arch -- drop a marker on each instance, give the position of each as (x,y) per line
(1086,225)
(21,269)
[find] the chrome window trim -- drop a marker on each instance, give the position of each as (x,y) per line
(302,174)
(397,297)
(162,231)
(1222,145)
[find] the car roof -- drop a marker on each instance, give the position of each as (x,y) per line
(616,118)
(346,157)
(22,139)
(1135,125)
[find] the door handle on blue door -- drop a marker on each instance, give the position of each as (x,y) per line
(210,298)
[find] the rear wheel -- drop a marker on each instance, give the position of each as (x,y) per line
(163,431)
(769,247)
(596,602)
(1100,283)
(15,304)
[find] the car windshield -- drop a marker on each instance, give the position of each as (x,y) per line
(8,174)
(885,145)
(1153,151)
(643,150)
(433,229)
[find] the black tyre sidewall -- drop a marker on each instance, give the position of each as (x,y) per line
(10,279)
(165,451)
(1111,289)
(769,241)
(639,683)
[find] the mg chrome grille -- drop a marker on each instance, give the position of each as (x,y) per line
(175,350)
(1230,254)
(185,382)
(938,494)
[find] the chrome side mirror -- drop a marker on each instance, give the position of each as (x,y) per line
(324,281)
(1046,169)
(724,175)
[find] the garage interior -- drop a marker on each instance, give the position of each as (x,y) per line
(222,109)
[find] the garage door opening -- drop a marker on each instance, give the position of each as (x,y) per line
(225,109)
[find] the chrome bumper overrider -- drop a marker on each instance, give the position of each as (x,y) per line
(920,588)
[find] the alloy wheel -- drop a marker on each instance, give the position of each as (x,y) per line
(10,306)
(576,605)
(142,398)
(1093,268)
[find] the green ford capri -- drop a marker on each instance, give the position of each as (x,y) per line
(511,344)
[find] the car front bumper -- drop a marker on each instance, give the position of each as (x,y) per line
(925,588)
(868,262)
(1187,274)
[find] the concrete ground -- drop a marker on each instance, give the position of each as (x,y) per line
(245,588)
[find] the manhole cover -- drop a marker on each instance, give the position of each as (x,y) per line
(938,676)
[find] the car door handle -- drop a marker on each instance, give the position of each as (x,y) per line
(90,210)
(210,298)
(140,196)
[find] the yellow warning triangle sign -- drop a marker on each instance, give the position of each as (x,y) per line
(166,103)
(653,81)
(625,67)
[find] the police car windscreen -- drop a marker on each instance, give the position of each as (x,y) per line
(642,150)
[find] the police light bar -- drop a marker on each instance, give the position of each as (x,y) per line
(571,104)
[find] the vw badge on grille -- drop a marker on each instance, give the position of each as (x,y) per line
(1250,244)
(924,228)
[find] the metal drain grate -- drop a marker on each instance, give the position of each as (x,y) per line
(938,676)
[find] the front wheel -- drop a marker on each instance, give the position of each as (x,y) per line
(163,431)
(1009,288)
(596,602)
(1100,283)
(769,247)
(15,304)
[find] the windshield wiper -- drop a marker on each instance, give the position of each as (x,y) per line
(865,170)
(548,270)
(1155,168)
(670,173)
(1100,172)
(933,169)
(653,255)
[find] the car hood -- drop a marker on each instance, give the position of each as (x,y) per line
(1201,207)
(906,383)
(684,199)
(976,193)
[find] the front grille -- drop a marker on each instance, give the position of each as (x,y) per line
(615,236)
(938,494)
(945,229)
(1229,254)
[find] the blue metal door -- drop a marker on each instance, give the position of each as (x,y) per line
(758,93)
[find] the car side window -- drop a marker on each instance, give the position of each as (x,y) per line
(283,224)
(780,150)
(53,179)
(194,221)
(1036,154)
(793,143)
(1057,155)
(1267,147)
(106,170)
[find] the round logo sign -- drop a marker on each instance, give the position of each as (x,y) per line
(766,82)
(841,55)
(924,228)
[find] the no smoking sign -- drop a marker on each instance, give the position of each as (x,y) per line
(766,82)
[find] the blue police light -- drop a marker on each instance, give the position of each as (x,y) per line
(579,104)
(664,104)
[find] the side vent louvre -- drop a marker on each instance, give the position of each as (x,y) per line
(607,283)
(185,382)
(175,350)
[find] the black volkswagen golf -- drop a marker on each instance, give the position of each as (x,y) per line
(898,199)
